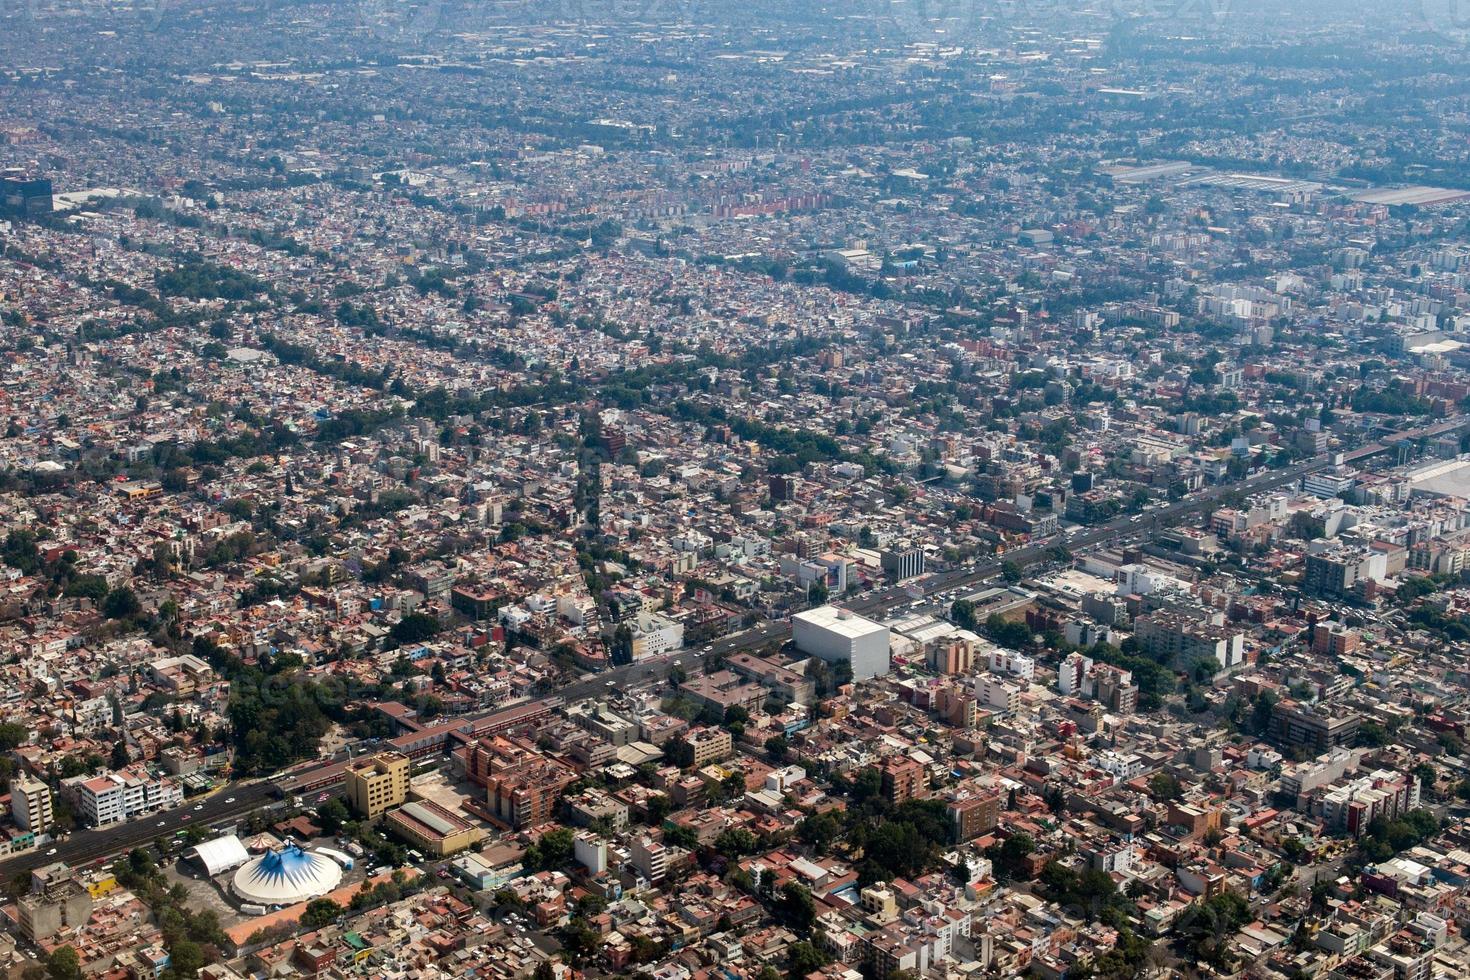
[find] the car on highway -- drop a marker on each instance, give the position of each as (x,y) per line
(163,823)
(230,800)
(51,853)
(198,807)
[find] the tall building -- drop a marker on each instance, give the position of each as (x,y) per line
(655,635)
(650,858)
(974,814)
(1333,640)
(30,804)
(56,900)
(902,561)
(1070,673)
(709,745)
(377,784)
(1353,805)
(522,785)
(1112,687)
(22,196)
(953,656)
(995,694)
(838,636)
(1296,724)
(902,779)
(1185,640)
(1338,570)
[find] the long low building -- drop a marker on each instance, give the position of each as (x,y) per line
(432,829)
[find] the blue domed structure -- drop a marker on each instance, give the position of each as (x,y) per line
(285,876)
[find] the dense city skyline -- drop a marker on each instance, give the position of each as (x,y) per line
(772,491)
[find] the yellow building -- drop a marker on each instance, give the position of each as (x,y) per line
(101,886)
(378,783)
(428,827)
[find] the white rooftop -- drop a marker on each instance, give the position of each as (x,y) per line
(840,621)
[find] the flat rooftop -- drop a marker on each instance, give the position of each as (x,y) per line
(840,621)
(1450,478)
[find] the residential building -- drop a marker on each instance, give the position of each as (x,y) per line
(30,804)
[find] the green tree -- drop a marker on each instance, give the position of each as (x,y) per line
(320,912)
(797,907)
(1008,633)
(1372,734)
(552,850)
(13,735)
(580,937)
(820,830)
(679,752)
(736,842)
(64,964)
(92,587)
(1164,786)
(331,815)
(777,747)
(1009,857)
(186,957)
(1205,928)
(899,850)
(415,628)
(803,958)
(121,603)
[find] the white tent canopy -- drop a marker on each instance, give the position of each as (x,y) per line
(286,876)
(220,854)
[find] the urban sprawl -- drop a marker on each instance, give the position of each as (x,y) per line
(714,491)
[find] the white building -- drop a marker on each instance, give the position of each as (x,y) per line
(1114,857)
(1003,661)
(1384,793)
(590,851)
(650,858)
(655,635)
(996,694)
(1328,483)
(837,635)
(781,780)
(30,804)
(1071,672)
(117,796)
(1124,766)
